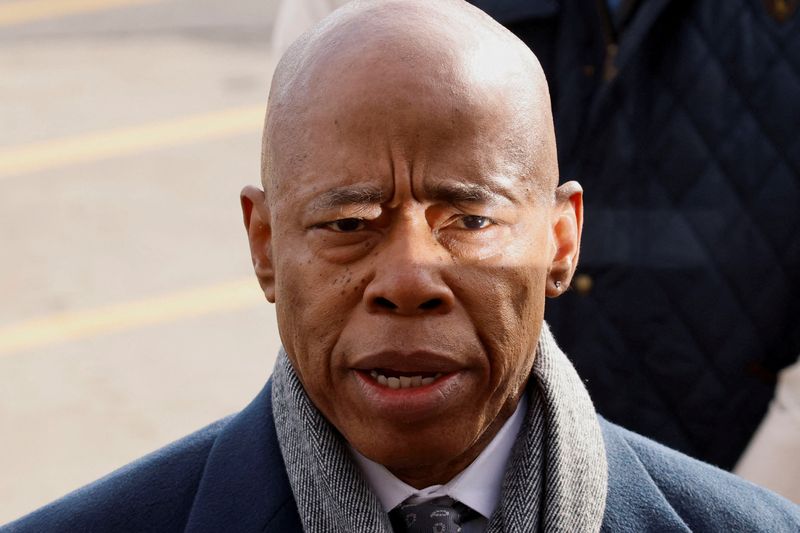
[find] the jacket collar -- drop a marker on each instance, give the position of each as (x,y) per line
(647,15)
(634,501)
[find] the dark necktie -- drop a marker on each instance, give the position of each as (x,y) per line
(442,515)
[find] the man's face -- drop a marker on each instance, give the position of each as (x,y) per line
(410,249)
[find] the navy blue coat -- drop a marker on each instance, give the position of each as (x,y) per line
(682,122)
(230,477)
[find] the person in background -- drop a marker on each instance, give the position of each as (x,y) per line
(772,457)
(680,119)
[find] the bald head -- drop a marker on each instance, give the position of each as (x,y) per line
(410,224)
(387,67)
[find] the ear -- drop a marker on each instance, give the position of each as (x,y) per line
(567,227)
(259,232)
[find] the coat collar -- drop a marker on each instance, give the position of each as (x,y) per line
(634,501)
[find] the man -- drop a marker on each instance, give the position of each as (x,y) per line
(408,232)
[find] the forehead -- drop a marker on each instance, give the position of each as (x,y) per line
(431,104)
(434,150)
(382,128)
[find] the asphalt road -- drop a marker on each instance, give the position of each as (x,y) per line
(129,313)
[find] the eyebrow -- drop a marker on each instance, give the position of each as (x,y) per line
(459,192)
(355,195)
(452,193)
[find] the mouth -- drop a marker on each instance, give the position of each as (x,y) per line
(393,379)
(407,389)
(409,370)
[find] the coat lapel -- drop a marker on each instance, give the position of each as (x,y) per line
(244,487)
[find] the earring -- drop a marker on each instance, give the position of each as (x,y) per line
(557,283)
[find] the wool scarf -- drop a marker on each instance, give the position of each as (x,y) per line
(555,480)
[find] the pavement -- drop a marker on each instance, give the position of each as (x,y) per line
(130,315)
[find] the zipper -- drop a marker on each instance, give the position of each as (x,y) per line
(611,40)
(611,29)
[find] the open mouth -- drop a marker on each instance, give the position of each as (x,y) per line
(403,380)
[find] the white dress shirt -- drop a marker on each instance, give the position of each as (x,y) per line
(478,486)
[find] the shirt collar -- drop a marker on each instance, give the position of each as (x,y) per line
(478,486)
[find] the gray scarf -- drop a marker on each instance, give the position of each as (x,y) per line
(555,481)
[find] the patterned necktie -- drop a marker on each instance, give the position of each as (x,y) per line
(442,515)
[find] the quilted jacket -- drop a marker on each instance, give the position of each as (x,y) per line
(681,119)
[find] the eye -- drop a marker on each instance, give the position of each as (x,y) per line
(474,222)
(345,225)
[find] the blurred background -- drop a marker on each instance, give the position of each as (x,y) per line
(129,313)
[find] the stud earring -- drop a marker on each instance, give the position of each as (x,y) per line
(557,283)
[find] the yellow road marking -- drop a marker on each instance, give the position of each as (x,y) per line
(45,155)
(21,11)
(76,325)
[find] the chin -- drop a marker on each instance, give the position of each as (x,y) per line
(404,450)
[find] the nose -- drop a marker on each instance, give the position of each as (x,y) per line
(408,277)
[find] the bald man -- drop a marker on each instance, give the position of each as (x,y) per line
(409,229)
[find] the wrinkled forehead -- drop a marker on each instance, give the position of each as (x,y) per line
(422,84)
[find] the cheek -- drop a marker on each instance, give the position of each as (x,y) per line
(522,274)
(313,300)
(513,283)
(506,306)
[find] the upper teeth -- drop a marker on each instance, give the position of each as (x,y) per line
(403,382)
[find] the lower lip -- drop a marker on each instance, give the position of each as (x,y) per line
(412,403)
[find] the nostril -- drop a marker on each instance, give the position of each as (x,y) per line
(383,302)
(433,303)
